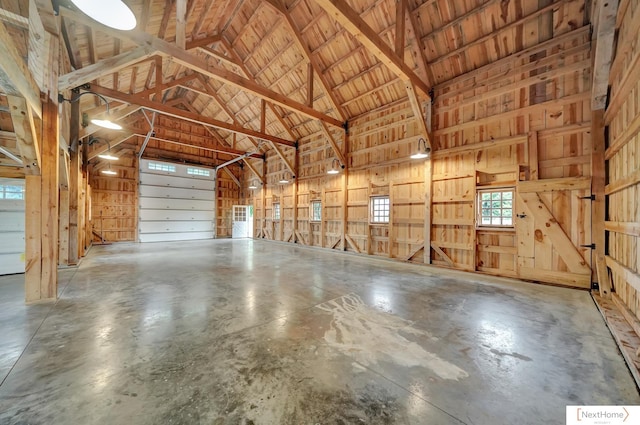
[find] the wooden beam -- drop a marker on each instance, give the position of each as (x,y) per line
(181,24)
(254,171)
(304,47)
(604,50)
(187,115)
(352,22)
(33,248)
(284,159)
(200,65)
(104,67)
(92,128)
(15,77)
(400,29)
(26,136)
(334,145)
(598,206)
(550,185)
(75,180)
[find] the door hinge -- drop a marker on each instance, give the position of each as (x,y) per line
(591,197)
(590,246)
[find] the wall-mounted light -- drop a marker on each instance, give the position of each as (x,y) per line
(106,155)
(106,123)
(253,185)
(114,13)
(423,150)
(109,171)
(335,167)
(286,179)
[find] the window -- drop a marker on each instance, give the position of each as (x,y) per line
(197,172)
(8,191)
(380,209)
(495,208)
(316,211)
(239,214)
(162,167)
(276,211)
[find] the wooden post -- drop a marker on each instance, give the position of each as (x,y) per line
(63,227)
(41,271)
(345,200)
(390,228)
(33,264)
(323,214)
(264,198)
(74,183)
(428,170)
(294,227)
(598,212)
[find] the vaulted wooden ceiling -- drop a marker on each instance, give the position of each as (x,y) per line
(279,70)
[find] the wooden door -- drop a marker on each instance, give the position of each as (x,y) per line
(553,220)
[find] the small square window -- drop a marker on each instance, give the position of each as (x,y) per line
(316,211)
(495,208)
(11,192)
(276,211)
(379,209)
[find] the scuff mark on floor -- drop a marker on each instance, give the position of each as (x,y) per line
(370,336)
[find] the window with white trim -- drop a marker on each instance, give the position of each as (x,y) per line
(162,167)
(276,211)
(495,207)
(198,172)
(9,191)
(316,211)
(379,209)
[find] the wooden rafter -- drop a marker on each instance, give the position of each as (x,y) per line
(104,67)
(186,115)
(605,35)
(27,139)
(181,23)
(354,24)
(15,77)
(196,63)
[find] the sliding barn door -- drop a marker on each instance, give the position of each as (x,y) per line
(553,222)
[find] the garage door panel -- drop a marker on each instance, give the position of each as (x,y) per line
(12,242)
(11,220)
(169,237)
(175,226)
(175,204)
(175,181)
(177,215)
(175,192)
(11,263)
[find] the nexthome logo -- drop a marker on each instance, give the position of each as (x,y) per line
(603,415)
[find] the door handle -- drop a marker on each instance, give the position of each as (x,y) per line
(521,215)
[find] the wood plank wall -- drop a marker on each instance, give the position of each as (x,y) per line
(522,122)
(622,117)
(114,202)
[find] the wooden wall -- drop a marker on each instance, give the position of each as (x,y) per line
(522,122)
(114,202)
(622,117)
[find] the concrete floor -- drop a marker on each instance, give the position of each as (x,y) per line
(252,332)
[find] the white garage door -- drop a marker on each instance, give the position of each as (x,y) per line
(11,226)
(176,202)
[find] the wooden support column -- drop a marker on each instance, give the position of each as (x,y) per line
(263,226)
(598,211)
(63,227)
(390,227)
(294,227)
(41,271)
(74,183)
(345,201)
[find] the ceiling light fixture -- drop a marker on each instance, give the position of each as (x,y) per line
(285,179)
(106,123)
(253,185)
(114,14)
(423,150)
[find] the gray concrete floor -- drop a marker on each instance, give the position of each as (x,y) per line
(252,332)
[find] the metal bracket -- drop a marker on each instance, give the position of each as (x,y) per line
(591,197)
(345,125)
(590,246)
(595,286)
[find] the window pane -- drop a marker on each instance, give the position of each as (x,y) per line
(495,208)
